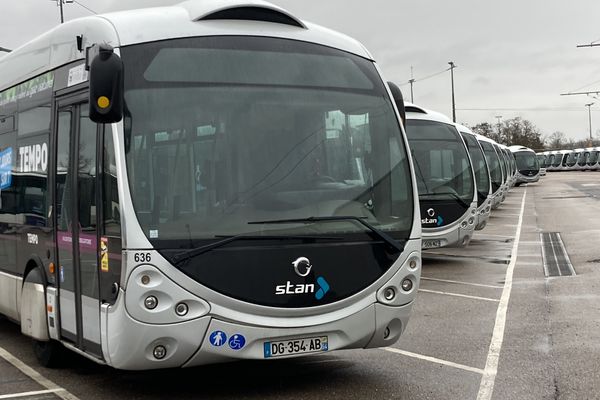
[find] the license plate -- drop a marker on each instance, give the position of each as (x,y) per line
(430,244)
(296,346)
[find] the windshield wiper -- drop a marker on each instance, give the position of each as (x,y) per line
(186,255)
(453,195)
(361,220)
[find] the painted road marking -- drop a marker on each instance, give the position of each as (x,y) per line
(459,295)
(33,374)
(486,387)
(29,394)
(461,282)
(434,360)
(590,184)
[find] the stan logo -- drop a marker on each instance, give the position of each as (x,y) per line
(302,267)
(438,221)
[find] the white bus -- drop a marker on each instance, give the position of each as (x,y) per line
(528,167)
(494,164)
(482,175)
(445,178)
(225,182)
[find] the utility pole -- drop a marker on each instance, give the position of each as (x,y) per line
(411,81)
(589,106)
(60,5)
(452,66)
(499,118)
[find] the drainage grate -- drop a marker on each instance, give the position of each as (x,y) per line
(556,259)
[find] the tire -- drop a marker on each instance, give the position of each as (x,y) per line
(49,354)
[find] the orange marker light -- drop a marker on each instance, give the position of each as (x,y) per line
(51,268)
(49,308)
(103,102)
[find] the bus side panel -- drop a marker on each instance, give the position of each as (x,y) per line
(8,295)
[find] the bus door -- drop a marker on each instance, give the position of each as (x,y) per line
(77,237)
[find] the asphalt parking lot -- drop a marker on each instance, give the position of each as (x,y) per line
(487,324)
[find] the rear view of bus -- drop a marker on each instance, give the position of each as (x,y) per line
(528,168)
(265,206)
(482,176)
(445,178)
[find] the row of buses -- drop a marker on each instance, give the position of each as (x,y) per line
(221,180)
(585,159)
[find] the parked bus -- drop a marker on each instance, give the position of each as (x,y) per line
(493,162)
(528,168)
(543,158)
(445,178)
(482,176)
(202,183)
(592,161)
(505,176)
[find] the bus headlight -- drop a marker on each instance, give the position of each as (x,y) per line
(389,293)
(151,302)
(160,352)
(407,285)
(181,309)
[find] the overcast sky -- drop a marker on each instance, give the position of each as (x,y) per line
(514,57)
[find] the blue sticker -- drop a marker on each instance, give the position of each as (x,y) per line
(5,168)
(218,338)
(440,220)
(237,341)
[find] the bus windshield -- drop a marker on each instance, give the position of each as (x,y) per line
(526,161)
(221,131)
(442,166)
(572,159)
(480,166)
(593,158)
(494,164)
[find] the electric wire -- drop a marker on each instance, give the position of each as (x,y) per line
(425,77)
(84,6)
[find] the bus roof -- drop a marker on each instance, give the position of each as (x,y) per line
(414,111)
(58,46)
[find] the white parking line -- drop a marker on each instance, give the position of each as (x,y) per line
(434,360)
(33,374)
(459,295)
(486,387)
(29,394)
(461,282)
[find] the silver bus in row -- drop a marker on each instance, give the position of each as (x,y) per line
(205,182)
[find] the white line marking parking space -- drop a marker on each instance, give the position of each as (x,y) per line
(434,360)
(486,387)
(33,374)
(459,295)
(461,282)
(29,394)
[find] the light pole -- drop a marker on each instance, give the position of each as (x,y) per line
(499,118)
(452,66)
(60,4)
(589,106)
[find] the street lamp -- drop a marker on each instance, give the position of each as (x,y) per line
(60,4)
(499,118)
(452,66)
(589,106)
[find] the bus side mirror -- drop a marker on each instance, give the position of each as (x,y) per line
(106,84)
(399,100)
